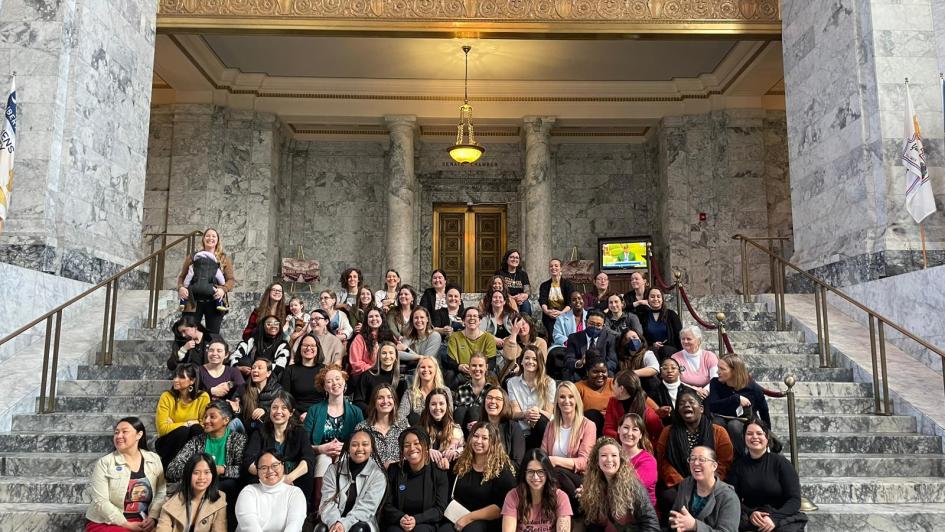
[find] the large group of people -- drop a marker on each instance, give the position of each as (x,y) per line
(385,410)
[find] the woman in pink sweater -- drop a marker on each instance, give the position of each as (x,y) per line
(636,443)
(568,440)
(698,366)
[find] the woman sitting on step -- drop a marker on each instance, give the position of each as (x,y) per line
(198,505)
(701,365)
(127,485)
(222,381)
(354,488)
(766,484)
(218,441)
(191,342)
(179,413)
(691,428)
(661,326)
(273,504)
(735,397)
(704,502)
(270,304)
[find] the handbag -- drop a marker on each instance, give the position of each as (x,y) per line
(455,511)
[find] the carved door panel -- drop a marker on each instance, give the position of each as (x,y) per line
(468,243)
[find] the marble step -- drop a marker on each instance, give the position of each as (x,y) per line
(110,404)
(113,387)
(916,517)
(148,373)
(42,517)
(757,360)
(770,337)
(48,464)
(858,423)
(77,421)
(756,348)
(871,443)
(815,465)
(65,442)
(823,389)
(34,488)
(844,490)
(823,406)
(778,373)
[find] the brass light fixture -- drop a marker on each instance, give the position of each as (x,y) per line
(466,150)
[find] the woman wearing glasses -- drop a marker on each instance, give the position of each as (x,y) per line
(536,503)
(704,502)
(272,504)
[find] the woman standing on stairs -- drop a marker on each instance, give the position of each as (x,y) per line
(200,306)
(179,413)
(127,485)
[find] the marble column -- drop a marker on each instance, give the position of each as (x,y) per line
(402,198)
(84,90)
(844,70)
(536,196)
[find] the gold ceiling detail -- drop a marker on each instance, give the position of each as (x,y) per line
(738,14)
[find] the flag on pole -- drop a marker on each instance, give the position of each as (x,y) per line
(919,199)
(7,147)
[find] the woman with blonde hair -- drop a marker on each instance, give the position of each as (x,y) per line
(427,378)
(204,305)
(484,475)
(568,439)
(612,496)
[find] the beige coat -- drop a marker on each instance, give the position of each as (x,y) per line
(212,516)
(109,483)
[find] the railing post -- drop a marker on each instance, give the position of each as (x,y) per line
(876,397)
(782,281)
(677,275)
(55,364)
(746,282)
(100,359)
(44,378)
(887,404)
(152,293)
(720,317)
(806,504)
(823,301)
(111,324)
(820,333)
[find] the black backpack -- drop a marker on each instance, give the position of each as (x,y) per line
(202,284)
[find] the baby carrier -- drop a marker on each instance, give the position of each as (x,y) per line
(202,284)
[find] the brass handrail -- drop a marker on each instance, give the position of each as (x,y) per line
(877,322)
(53,319)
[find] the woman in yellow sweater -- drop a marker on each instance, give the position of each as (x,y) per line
(179,413)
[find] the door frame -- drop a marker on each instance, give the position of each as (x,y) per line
(469,235)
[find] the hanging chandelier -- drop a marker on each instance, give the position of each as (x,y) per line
(466,150)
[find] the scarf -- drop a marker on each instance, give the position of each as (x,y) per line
(677,452)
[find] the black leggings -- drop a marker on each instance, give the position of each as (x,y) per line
(533,440)
(569,482)
(208,311)
(426,527)
(360,526)
(168,445)
(475,526)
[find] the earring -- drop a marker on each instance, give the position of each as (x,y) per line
(190,388)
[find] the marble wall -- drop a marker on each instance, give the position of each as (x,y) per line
(725,165)
(218,167)
(84,77)
(333,202)
(909,300)
(844,71)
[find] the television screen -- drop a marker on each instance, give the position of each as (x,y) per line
(617,254)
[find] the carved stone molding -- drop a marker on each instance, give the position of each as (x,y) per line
(657,12)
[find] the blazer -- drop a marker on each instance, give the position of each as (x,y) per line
(578,343)
(211,518)
(721,512)
(109,483)
(545,287)
(371,484)
(578,451)
(235,443)
(565,325)
(673,326)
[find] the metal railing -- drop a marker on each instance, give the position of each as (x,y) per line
(877,322)
(53,319)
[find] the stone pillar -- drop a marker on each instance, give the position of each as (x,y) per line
(84,90)
(402,198)
(536,196)
(844,68)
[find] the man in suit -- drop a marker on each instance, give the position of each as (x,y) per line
(594,336)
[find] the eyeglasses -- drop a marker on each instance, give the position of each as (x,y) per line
(272,324)
(699,460)
(276,466)
(275,291)
(535,473)
(308,348)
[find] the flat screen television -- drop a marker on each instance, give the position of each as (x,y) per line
(623,254)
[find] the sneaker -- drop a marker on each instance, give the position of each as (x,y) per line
(222,308)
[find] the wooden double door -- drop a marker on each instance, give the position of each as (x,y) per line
(468,243)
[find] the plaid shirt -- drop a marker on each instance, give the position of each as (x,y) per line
(466,397)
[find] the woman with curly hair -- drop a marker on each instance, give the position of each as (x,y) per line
(536,503)
(351,281)
(612,496)
(446,436)
(484,475)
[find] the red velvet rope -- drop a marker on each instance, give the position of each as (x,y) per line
(728,344)
(661,284)
(692,311)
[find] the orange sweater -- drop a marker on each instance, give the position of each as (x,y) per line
(723,451)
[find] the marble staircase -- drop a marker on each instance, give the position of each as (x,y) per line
(865,472)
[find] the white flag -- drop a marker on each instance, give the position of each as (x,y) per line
(919,199)
(7,147)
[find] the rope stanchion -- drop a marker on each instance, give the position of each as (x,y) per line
(702,323)
(660,283)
